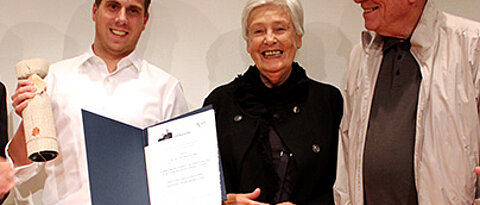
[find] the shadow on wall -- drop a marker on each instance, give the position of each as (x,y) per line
(225,63)
(325,52)
(8,58)
(177,40)
(41,43)
(80,32)
(159,37)
(311,55)
(26,45)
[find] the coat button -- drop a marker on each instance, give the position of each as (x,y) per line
(296,109)
(237,118)
(316,148)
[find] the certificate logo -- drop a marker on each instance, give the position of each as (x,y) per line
(167,135)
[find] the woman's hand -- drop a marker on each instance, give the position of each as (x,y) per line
(244,199)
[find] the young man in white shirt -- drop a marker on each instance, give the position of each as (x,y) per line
(109,80)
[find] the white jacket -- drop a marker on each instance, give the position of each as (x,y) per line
(447,48)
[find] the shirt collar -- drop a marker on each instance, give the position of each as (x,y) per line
(131,59)
(421,39)
(424,35)
(390,42)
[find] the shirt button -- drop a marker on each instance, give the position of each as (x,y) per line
(276,116)
(296,109)
(107,80)
(316,148)
(237,118)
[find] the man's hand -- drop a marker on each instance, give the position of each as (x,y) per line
(6,177)
(25,90)
(18,148)
(244,199)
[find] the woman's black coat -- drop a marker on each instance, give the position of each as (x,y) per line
(307,125)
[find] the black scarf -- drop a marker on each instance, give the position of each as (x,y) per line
(260,102)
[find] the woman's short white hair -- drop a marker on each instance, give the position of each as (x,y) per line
(293,6)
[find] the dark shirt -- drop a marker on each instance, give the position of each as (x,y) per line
(282,161)
(388,158)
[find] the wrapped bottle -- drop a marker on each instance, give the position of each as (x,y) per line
(38,122)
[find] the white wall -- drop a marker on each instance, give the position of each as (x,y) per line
(198,42)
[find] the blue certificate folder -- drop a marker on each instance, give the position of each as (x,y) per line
(116,160)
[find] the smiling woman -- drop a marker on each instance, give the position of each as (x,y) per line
(277,128)
(272,42)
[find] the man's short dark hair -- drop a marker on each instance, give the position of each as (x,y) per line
(147,4)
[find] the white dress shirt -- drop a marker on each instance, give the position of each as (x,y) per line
(137,93)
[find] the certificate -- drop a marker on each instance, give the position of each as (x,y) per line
(183,164)
(174,162)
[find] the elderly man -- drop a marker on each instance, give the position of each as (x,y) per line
(109,79)
(411,131)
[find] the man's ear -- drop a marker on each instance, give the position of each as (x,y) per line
(145,19)
(94,10)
